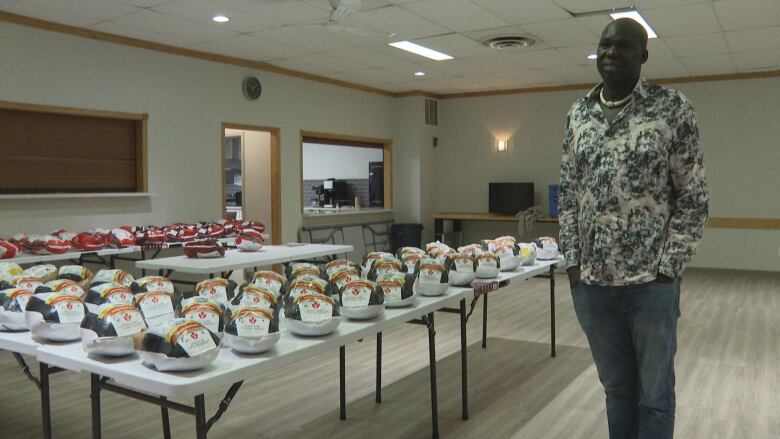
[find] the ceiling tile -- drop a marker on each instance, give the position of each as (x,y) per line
(457,15)
(683,20)
(740,14)
(143,3)
(365,5)
(499,81)
(539,59)
(767,38)
(455,45)
(694,45)
(579,54)
(400,22)
(575,75)
(165,24)
(94,9)
(537,78)
(252,47)
(201,11)
(469,66)
(282,12)
(595,23)
(562,33)
(144,34)
(368,57)
(523,11)
(327,61)
(763,60)
(31,10)
(706,64)
(657,49)
(305,38)
(580,6)
(664,68)
(398,73)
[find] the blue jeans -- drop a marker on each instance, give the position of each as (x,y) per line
(632,332)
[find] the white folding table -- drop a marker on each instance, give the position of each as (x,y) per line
(132,378)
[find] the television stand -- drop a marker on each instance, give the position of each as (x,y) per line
(457,219)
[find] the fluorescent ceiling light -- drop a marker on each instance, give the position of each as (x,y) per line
(636,16)
(220,19)
(419,73)
(592,56)
(420,50)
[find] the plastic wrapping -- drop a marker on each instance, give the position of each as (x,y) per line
(13,302)
(179,345)
(218,289)
(252,330)
(361,299)
(294,270)
(42,272)
(54,316)
(461,269)
(110,330)
(488,265)
(432,278)
(312,315)
(207,312)
(112,275)
(111,292)
(398,289)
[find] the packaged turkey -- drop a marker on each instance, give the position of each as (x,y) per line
(77,273)
(54,316)
(361,299)
(157,299)
(371,257)
(112,276)
(384,265)
(204,248)
(217,289)
(298,269)
(205,311)
(62,286)
(546,248)
(461,269)
(179,345)
(10,272)
(271,280)
(257,296)
(507,255)
(13,302)
(110,292)
(250,240)
(43,272)
(398,289)
(312,314)
(8,249)
(306,284)
(252,330)
(110,330)
(527,252)
(432,278)
(488,265)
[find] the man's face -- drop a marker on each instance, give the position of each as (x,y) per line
(620,54)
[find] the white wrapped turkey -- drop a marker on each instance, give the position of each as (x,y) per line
(488,265)
(111,329)
(54,316)
(252,330)
(179,345)
(12,304)
(110,292)
(361,299)
(432,278)
(461,269)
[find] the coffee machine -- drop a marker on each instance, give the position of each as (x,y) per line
(334,192)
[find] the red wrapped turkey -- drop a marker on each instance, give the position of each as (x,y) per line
(207,248)
(89,241)
(210,230)
(250,240)
(120,237)
(7,250)
(48,245)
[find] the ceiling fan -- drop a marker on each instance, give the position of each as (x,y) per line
(338,20)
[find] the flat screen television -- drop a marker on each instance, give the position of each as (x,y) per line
(510,198)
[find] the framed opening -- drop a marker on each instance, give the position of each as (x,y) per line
(342,171)
(251,176)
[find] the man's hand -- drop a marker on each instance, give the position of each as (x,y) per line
(574,276)
(661,279)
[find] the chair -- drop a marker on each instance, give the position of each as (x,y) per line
(376,236)
(322,235)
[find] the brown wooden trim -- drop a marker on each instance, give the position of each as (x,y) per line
(35,108)
(388,174)
(142,154)
(144,44)
(345,138)
(512,91)
(340,142)
(426,94)
(744,223)
(300,168)
(276,175)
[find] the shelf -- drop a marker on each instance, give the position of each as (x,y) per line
(76,195)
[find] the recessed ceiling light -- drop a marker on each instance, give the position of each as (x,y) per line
(220,19)
(636,16)
(419,73)
(420,50)
(592,56)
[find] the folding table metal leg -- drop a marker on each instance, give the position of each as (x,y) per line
(200,417)
(166,420)
(94,395)
(379,367)
(464,361)
(342,383)
(484,320)
(432,360)
(45,406)
(552,310)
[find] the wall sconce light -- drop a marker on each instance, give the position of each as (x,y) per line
(501,145)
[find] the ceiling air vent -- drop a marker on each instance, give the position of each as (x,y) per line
(431,112)
(508,42)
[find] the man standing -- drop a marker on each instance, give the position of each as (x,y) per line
(633,205)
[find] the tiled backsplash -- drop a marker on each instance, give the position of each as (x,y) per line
(355,187)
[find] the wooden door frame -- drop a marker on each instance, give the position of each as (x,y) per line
(387,148)
(276,175)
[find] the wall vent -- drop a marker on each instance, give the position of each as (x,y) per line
(431,112)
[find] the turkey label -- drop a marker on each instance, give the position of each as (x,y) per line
(268,281)
(157,285)
(259,298)
(215,291)
(28,283)
(344,278)
(116,295)
(192,337)
(204,315)
(487,261)
(252,324)
(314,309)
(430,274)
(126,320)
(21,297)
(392,291)
(355,295)
(155,305)
(464,265)
(69,310)
(304,288)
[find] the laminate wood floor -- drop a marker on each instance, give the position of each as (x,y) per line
(728,371)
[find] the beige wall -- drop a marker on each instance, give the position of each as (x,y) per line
(187,100)
(739,126)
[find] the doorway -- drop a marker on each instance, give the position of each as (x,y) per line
(251,177)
